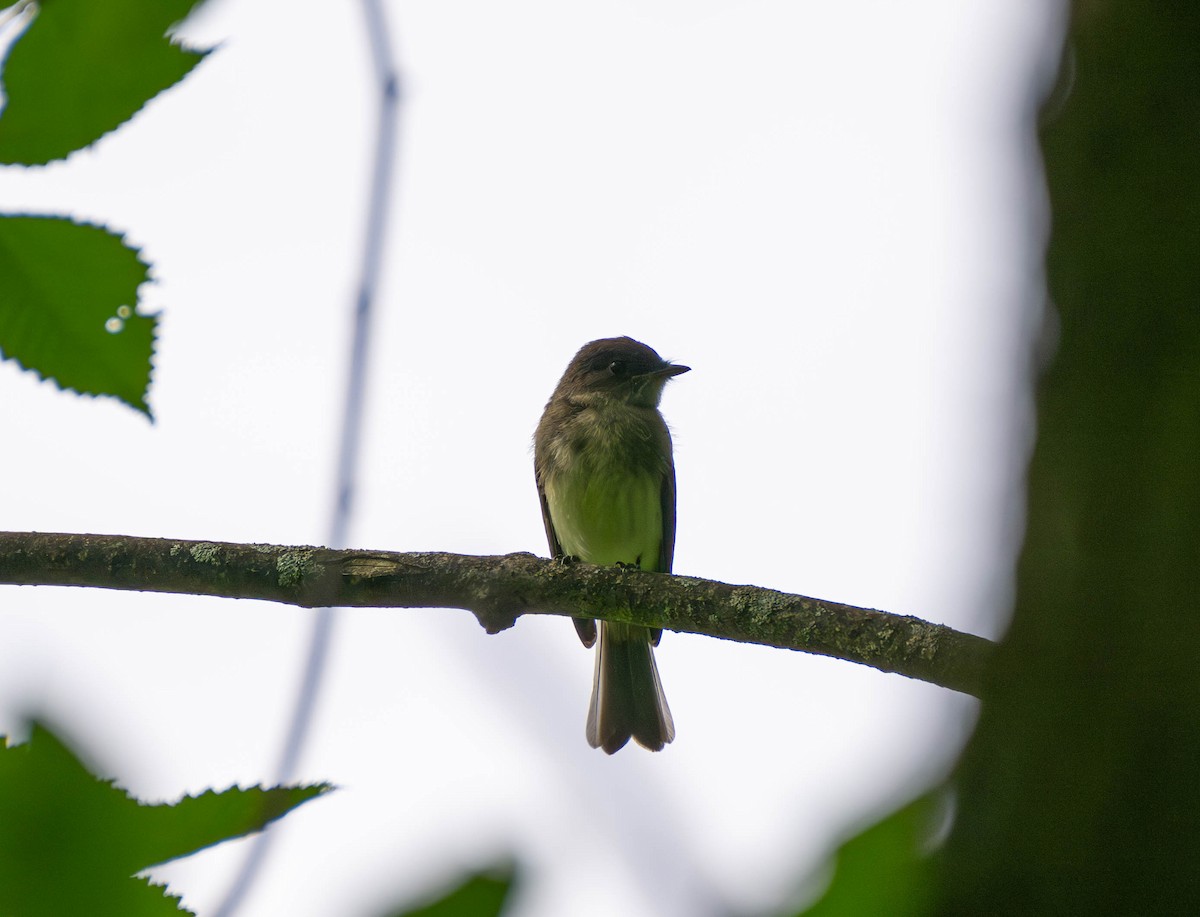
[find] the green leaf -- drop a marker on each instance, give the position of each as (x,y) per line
(483,894)
(68,293)
(82,68)
(885,869)
(71,843)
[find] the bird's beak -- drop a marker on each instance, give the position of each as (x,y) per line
(671,369)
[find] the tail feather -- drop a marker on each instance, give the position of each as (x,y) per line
(627,696)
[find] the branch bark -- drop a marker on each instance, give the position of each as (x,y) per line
(498,590)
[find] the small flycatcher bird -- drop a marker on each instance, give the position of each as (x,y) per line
(606,478)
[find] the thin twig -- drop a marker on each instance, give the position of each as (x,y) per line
(378,207)
(12,12)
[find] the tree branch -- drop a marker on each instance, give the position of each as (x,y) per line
(498,590)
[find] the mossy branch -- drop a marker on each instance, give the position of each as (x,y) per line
(498,590)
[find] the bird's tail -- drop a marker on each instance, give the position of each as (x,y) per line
(627,697)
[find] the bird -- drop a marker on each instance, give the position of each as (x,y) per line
(605,472)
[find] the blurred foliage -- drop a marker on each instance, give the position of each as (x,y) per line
(885,869)
(68,292)
(70,843)
(483,894)
(67,296)
(82,68)
(1078,794)
(1080,791)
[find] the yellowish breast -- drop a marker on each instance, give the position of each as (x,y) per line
(607,516)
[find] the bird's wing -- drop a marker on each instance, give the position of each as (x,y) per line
(666,551)
(585,627)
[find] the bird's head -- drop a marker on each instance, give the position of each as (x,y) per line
(618,369)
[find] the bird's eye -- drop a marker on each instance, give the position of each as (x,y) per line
(617,368)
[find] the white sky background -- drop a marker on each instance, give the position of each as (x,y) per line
(830,211)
